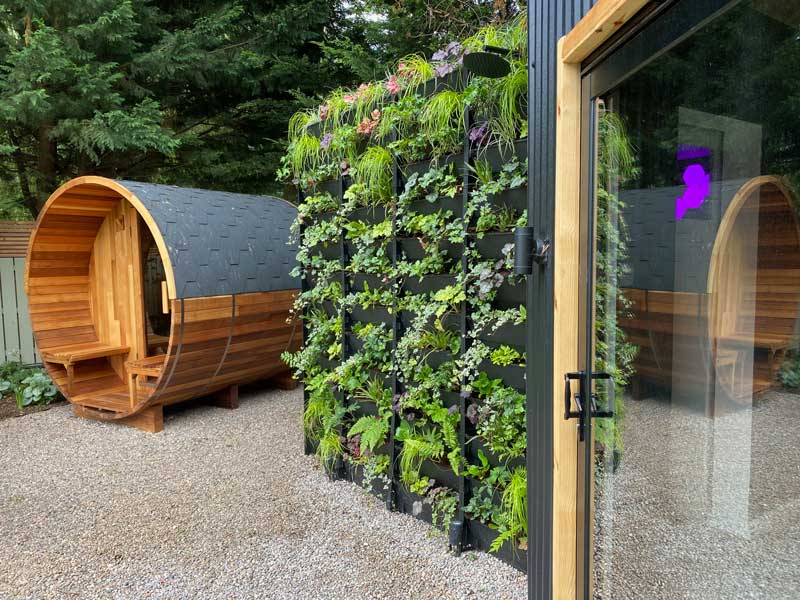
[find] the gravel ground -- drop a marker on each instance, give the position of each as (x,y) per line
(222,504)
(700,507)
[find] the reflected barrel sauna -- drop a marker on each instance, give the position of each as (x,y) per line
(746,318)
(146,295)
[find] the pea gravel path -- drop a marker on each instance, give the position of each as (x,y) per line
(222,504)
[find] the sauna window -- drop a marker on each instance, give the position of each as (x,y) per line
(156,306)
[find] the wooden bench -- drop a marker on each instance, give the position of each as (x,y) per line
(145,367)
(774,344)
(74,353)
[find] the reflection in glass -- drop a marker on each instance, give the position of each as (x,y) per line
(697,258)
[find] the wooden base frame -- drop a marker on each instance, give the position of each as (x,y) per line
(150,419)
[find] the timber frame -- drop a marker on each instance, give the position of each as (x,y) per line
(603,21)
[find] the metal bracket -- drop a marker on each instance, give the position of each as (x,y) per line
(528,249)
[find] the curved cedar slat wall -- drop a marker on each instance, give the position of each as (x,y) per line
(85,286)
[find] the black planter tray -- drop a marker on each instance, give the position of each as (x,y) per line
(375,314)
(353,343)
(442,473)
(437,359)
(323,216)
(451,399)
(512,375)
(423,207)
(369,214)
(328,364)
(511,334)
(476,444)
(491,245)
(499,154)
(516,198)
(425,165)
(428,284)
(331,186)
(451,321)
(357,281)
(412,249)
(481,537)
(406,504)
(510,295)
(355,474)
(328,252)
(367,408)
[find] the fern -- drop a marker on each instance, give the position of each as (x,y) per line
(373,432)
(415,451)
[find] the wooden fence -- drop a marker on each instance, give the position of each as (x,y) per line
(16,339)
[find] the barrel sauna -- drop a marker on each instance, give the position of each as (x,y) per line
(146,295)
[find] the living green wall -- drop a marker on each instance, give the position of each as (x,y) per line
(414,326)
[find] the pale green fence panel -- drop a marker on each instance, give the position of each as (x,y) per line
(16,341)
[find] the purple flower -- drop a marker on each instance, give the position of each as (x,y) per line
(326,141)
(472,413)
(444,69)
(477,135)
(453,48)
(440,55)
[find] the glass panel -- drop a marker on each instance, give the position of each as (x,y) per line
(153,278)
(697,260)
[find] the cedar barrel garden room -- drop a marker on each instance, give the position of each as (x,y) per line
(146,295)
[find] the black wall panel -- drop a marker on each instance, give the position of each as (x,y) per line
(548,21)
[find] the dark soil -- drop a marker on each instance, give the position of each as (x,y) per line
(8,407)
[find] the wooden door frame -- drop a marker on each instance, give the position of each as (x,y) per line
(605,19)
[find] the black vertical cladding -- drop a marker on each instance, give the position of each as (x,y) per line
(305,285)
(397,188)
(548,21)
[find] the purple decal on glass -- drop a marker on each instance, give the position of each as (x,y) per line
(698,188)
(687,152)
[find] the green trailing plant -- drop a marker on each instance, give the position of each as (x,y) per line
(513,516)
(499,418)
(418,445)
(444,112)
(331,442)
(373,169)
(375,467)
(504,356)
(444,505)
(614,354)
(789,373)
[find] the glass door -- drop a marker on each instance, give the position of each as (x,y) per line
(692,144)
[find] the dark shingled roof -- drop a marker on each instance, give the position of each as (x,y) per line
(221,243)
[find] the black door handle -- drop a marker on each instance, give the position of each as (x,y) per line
(586,410)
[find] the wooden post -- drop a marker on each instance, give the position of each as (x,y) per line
(227,397)
(285,381)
